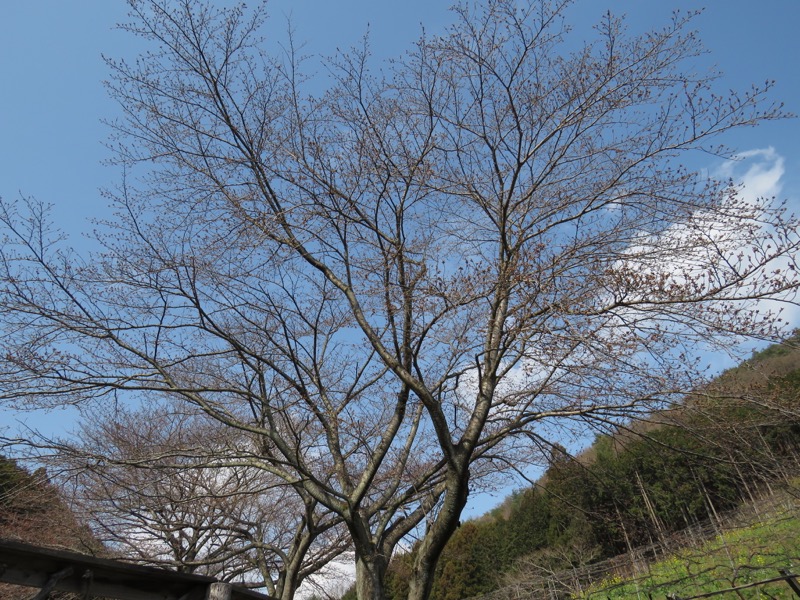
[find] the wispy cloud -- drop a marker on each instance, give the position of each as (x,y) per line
(758,175)
(759,172)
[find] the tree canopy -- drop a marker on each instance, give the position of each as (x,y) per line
(400,288)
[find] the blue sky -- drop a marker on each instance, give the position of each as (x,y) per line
(52,99)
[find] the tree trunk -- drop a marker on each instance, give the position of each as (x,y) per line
(432,545)
(370,576)
(288,589)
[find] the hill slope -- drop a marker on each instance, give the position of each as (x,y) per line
(725,446)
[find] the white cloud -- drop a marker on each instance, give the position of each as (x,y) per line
(759,172)
(715,245)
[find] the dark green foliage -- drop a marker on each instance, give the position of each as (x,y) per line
(467,568)
(398,576)
(526,529)
(11,478)
(652,486)
(22,495)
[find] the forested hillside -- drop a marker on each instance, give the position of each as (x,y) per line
(33,511)
(725,446)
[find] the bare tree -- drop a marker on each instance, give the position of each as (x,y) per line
(155,487)
(409,282)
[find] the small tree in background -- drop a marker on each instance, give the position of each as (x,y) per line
(411,282)
(157,488)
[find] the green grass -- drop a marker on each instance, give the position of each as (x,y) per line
(735,558)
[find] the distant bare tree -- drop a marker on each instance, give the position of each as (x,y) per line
(406,283)
(156,488)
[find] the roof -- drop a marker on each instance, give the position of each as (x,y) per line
(34,566)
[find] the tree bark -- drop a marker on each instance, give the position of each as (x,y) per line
(430,548)
(370,574)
